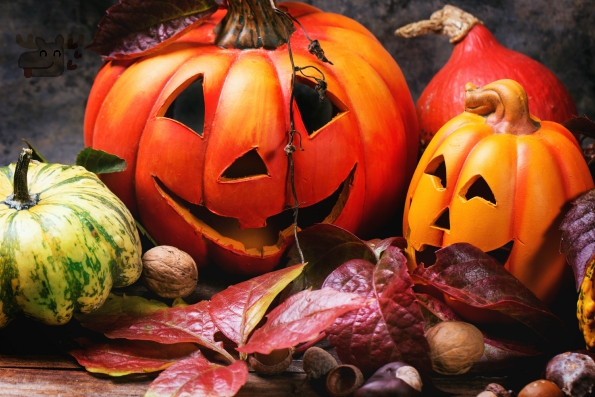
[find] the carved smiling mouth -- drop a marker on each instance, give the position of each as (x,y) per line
(427,255)
(258,241)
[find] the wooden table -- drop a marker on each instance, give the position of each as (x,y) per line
(34,362)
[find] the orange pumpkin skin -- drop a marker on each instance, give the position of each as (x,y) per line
(532,176)
(371,141)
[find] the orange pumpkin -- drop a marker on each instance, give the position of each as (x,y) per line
(220,189)
(498,178)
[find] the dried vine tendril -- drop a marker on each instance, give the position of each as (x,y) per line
(321,86)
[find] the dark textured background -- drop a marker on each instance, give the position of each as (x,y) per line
(49,111)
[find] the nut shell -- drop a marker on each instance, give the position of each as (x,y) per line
(273,363)
(454,347)
(169,272)
(343,380)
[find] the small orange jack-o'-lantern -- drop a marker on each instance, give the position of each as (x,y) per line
(498,178)
(214,182)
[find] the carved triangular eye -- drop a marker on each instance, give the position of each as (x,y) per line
(437,168)
(443,221)
(478,187)
(248,165)
(315,114)
(189,107)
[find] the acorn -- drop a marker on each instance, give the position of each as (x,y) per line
(317,362)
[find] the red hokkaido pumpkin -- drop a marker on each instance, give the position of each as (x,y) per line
(498,178)
(479,58)
(219,190)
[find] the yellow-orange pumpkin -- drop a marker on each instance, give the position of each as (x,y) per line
(498,178)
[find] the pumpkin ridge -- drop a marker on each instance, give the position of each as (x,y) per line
(8,270)
(64,267)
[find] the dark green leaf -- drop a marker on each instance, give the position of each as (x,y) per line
(36,155)
(134,28)
(100,162)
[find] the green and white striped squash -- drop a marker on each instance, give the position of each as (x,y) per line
(65,241)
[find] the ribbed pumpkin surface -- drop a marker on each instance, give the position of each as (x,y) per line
(495,189)
(64,254)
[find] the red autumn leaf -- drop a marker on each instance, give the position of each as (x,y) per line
(467,274)
(133,28)
(498,352)
(301,318)
(580,125)
(379,246)
(501,353)
(199,377)
(122,357)
(578,234)
(390,329)
(137,318)
(435,311)
(238,309)
(325,247)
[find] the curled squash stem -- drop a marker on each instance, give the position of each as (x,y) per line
(504,105)
(449,21)
(21,199)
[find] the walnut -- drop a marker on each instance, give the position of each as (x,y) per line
(169,272)
(454,347)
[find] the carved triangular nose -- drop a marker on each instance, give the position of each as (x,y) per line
(443,221)
(247,166)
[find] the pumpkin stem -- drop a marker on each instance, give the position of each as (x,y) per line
(20,199)
(505,106)
(253,24)
(449,21)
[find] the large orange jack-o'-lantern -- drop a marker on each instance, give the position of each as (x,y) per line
(500,179)
(214,182)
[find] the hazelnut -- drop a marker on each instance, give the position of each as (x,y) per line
(541,388)
(169,272)
(573,372)
(454,347)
